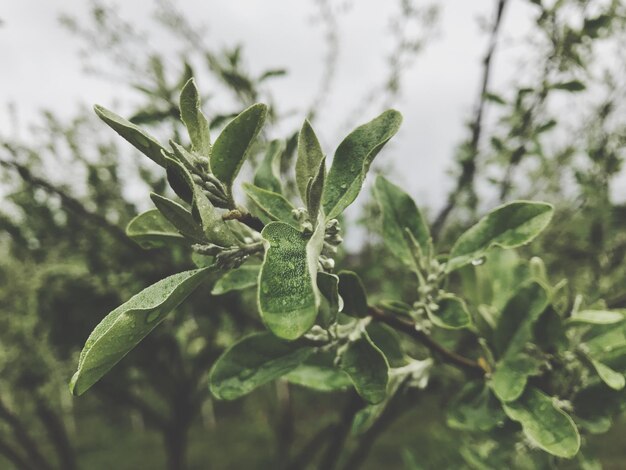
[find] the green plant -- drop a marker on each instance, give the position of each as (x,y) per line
(529,361)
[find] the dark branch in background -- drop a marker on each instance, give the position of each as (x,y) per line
(337,439)
(71,203)
(58,435)
(398,406)
(25,440)
(465,181)
(308,451)
(408,327)
(13,456)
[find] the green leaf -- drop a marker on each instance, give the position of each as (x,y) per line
(238,279)
(353,159)
(267,175)
(215,229)
(452,313)
(309,157)
(513,332)
(352,292)
(475,409)
(596,317)
(400,214)
(288,296)
(151,230)
(386,339)
(179,177)
(273,205)
(252,362)
(319,373)
(544,424)
(123,328)
(231,147)
(573,86)
(367,367)
(612,378)
(136,136)
(195,121)
(179,217)
(331,303)
(314,191)
(507,226)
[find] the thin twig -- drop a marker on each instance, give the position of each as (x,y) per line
(408,327)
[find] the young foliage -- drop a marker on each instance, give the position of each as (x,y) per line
(508,226)
(544,423)
(288,294)
(252,362)
(487,312)
(353,159)
(233,144)
(151,230)
(195,121)
(400,214)
(123,328)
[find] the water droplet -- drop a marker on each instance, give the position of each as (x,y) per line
(479,261)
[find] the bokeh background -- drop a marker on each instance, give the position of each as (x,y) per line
(500,100)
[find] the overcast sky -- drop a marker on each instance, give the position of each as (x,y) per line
(41,68)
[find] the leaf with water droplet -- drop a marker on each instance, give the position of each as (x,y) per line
(399,214)
(508,226)
(288,296)
(367,367)
(452,313)
(123,328)
(475,408)
(314,190)
(320,374)
(195,121)
(353,293)
(331,303)
(511,336)
(238,279)
(133,134)
(215,228)
(267,175)
(273,205)
(252,362)
(151,230)
(179,217)
(309,157)
(233,144)
(352,160)
(546,425)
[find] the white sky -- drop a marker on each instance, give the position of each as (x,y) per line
(40,68)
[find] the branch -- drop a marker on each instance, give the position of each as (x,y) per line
(408,327)
(13,456)
(71,203)
(57,435)
(245,218)
(308,451)
(337,439)
(25,440)
(465,180)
